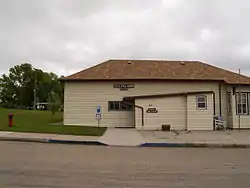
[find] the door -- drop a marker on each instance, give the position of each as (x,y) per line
(173,111)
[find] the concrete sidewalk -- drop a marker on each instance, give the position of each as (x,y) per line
(122,137)
(235,137)
(132,137)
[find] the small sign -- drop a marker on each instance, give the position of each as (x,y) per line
(98,110)
(124,86)
(152,110)
(98,116)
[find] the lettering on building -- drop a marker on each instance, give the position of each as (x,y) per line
(152,110)
(123,86)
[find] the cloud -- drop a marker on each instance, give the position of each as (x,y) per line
(67,36)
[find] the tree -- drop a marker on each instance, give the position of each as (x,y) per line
(54,102)
(8,92)
(25,84)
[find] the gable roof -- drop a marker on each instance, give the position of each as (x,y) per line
(157,70)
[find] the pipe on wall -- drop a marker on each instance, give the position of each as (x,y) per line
(140,107)
(142,114)
(220,99)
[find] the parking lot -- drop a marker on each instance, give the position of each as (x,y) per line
(58,166)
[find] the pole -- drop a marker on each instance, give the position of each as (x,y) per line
(239,112)
(34,102)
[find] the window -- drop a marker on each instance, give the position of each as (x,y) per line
(119,106)
(229,103)
(241,103)
(201,102)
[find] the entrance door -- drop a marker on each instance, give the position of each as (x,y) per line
(174,112)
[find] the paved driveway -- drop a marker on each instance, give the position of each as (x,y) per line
(58,166)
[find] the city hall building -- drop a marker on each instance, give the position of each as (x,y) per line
(147,94)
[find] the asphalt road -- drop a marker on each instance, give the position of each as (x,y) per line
(68,166)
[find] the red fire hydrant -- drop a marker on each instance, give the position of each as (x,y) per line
(10,119)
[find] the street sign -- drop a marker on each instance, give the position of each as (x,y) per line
(98,116)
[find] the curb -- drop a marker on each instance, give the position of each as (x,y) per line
(195,145)
(76,142)
(163,144)
(37,140)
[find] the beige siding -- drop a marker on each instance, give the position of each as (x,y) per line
(230,121)
(82,98)
(81,101)
(199,119)
(224,89)
(171,110)
(138,117)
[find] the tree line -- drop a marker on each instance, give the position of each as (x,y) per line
(25,87)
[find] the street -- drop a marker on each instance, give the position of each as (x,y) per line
(69,166)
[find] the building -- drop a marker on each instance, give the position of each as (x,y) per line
(146,94)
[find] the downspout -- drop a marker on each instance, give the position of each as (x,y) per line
(142,110)
(220,98)
(142,114)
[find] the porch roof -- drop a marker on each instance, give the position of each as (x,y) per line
(167,95)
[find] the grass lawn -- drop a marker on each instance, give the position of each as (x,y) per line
(40,122)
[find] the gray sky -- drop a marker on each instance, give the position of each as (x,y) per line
(66,36)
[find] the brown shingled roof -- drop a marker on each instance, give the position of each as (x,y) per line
(157,70)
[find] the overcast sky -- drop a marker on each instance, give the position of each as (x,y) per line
(65,36)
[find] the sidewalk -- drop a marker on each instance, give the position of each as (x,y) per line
(132,137)
(227,138)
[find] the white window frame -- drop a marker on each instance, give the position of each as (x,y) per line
(199,102)
(240,103)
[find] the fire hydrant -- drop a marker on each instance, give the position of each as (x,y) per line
(10,119)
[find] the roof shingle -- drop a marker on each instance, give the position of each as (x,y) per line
(157,70)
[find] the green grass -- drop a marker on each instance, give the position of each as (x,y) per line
(40,122)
